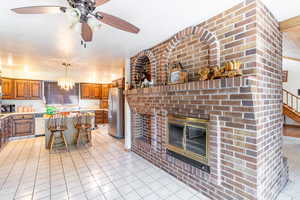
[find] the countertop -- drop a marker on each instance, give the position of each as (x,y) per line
(4,115)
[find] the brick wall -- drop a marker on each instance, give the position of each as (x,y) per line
(245,116)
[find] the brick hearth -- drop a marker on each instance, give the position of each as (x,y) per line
(245,113)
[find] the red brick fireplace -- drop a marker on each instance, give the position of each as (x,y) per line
(244,129)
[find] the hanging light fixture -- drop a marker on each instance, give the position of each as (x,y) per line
(66,83)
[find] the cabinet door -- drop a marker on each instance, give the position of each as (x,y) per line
(85,91)
(92,91)
(22,89)
(7,88)
(35,89)
(104,104)
(105,117)
(105,89)
(99,117)
(23,127)
(97,91)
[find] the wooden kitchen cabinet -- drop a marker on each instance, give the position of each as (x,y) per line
(8,88)
(105,90)
(6,130)
(23,125)
(28,89)
(85,91)
(90,91)
(35,89)
(22,89)
(97,91)
(104,104)
(101,117)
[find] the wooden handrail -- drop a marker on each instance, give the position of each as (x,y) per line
(291,100)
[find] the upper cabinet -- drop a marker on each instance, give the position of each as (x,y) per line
(105,90)
(85,90)
(28,89)
(90,91)
(35,89)
(21,89)
(7,88)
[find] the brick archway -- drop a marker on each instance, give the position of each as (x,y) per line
(204,36)
(153,63)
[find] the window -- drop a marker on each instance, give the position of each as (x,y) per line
(55,95)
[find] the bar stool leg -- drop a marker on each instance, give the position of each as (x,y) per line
(62,135)
(78,138)
(52,141)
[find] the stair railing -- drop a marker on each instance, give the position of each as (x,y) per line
(291,100)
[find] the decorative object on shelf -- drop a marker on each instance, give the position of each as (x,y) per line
(66,83)
(142,78)
(177,74)
(229,70)
(284,76)
(205,73)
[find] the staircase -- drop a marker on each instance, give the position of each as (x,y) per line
(291,105)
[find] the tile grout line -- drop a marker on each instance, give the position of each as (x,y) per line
(62,165)
(99,186)
(37,169)
(76,169)
(11,168)
(88,150)
(25,165)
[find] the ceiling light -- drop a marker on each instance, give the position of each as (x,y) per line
(66,83)
(113,76)
(10,60)
(26,68)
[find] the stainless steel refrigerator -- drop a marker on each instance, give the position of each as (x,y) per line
(116,112)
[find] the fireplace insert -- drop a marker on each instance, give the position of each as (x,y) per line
(188,137)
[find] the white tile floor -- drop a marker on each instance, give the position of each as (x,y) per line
(291,148)
(103,171)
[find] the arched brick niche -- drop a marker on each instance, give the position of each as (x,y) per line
(146,60)
(194,47)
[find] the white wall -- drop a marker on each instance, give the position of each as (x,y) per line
(127,109)
(293,84)
(293,69)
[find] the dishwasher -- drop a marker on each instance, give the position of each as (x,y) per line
(40,125)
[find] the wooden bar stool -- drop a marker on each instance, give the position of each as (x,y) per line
(83,124)
(57,124)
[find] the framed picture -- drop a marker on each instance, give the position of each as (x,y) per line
(284,76)
(177,74)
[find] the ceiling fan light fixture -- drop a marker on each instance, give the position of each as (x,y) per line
(73,15)
(94,24)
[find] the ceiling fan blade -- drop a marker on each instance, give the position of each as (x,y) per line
(100,2)
(86,32)
(117,22)
(39,10)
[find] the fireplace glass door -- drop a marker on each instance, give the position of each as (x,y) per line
(188,137)
(177,137)
(196,140)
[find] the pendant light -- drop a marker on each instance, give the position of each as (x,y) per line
(66,83)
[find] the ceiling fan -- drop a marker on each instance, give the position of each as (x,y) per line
(83,10)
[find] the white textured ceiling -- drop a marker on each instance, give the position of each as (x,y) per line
(43,41)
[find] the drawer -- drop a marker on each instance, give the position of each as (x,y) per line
(23,116)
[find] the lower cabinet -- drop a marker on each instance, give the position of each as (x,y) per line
(101,117)
(23,125)
(104,104)
(6,130)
